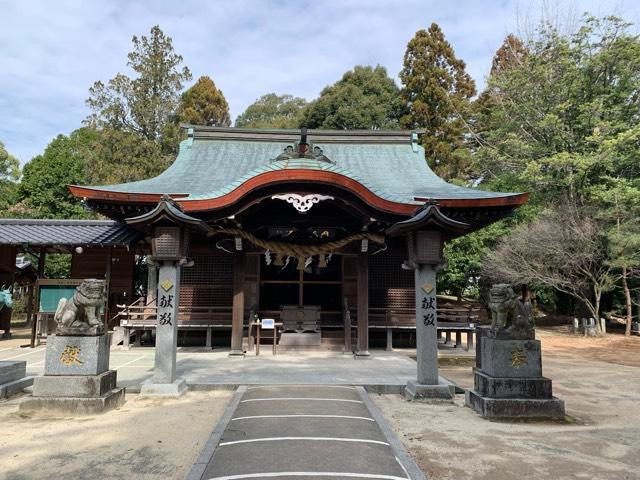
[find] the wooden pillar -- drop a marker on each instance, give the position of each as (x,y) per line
(363,305)
(107,287)
(34,326)
(152,280)
(30,319)
(237,313)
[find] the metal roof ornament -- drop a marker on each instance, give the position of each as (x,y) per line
(303,149)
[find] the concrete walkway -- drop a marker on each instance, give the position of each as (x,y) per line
(303,431)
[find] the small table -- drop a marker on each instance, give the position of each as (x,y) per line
(258,326)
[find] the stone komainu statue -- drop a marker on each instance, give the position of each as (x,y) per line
(511,317)
(80,314)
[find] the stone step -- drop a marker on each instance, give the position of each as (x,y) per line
(16,386)
(11,371)
(288,339)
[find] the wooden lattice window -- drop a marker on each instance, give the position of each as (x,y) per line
(209,282)
(390,286)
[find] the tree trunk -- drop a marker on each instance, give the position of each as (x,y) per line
(597,294)
(627,298)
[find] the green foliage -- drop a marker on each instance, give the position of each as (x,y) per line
(464,255)
(117,156)
(364,98)
(43,190)
(436,91)
(9,174)
(559,119)
(57,265)
(545,120)
(273,111)
(204,104)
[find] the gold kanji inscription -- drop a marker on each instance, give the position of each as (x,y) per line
(69,355)
(518,358)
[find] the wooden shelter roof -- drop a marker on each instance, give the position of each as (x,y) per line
(65,233)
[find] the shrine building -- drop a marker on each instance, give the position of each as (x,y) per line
(335,235)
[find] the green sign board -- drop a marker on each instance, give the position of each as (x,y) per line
(52,290)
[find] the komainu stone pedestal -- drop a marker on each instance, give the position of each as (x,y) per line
(76,379)
(509,384)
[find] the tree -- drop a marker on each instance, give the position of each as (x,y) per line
(437,90)
(273,111)
(43,190)
(511,54)
(364,98)
(145,105)
(549,117)
(9,174)
(204,104)
(565,249)
(117,156)
(619,202)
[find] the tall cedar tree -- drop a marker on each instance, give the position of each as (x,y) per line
(436,90)
(511,54)
(204,104)
(145,105)
(365,98)
(272,111)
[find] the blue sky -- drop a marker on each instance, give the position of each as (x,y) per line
(51,52)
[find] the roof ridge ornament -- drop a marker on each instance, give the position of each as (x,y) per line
(303,149)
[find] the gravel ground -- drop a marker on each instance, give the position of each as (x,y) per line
(144,439)
(599,380)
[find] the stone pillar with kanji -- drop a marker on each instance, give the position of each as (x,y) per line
(169,244)
(425,257)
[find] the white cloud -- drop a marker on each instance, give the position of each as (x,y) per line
(52,52)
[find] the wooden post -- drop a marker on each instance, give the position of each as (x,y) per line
(152,280)
(107,287)
(363,306)
(30,318)
(34,327)
(237,313)
(346,318)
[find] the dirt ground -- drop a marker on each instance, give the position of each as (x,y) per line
(599,380)
(144,439)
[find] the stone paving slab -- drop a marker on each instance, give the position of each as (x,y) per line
(215,369)
(264,434)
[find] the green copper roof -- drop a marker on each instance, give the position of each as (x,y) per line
(217,160)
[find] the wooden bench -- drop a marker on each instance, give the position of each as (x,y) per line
(137,318)
(451,319)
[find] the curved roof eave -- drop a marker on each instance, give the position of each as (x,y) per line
(285,176)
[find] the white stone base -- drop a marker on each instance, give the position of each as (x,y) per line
(417,392)
(174,390)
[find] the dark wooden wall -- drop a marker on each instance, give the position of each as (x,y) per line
(7,277)
(92,263)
